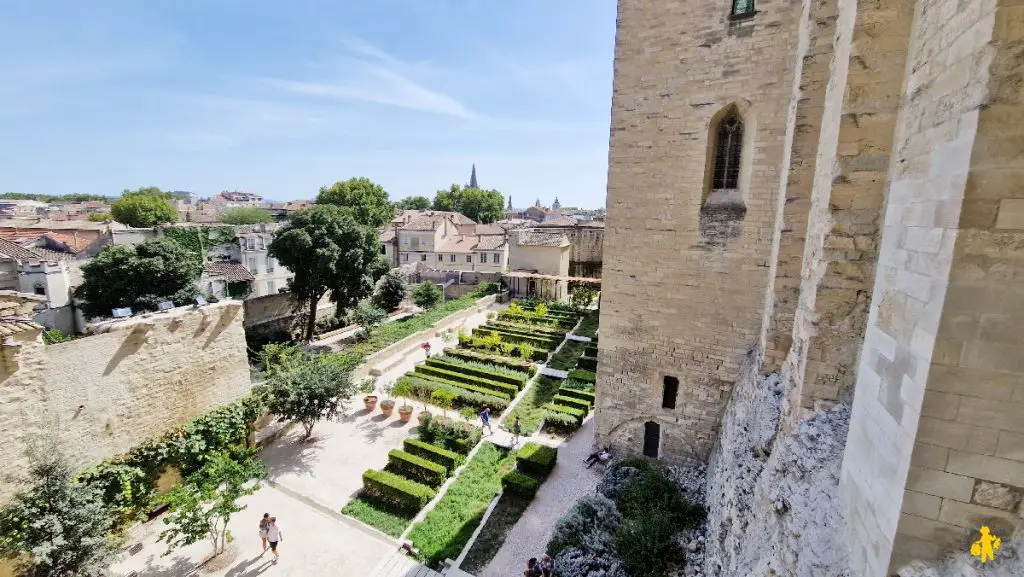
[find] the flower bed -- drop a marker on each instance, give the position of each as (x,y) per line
(497,360)
(510,336)
(506,348)
(588,327)
(515,378)
(462,379)
(449,525)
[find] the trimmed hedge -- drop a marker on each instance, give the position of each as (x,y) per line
(508,362)
(567,401)
(416,468)
(542,321)
(539,354)
(423,386)
(587,363)
(450,460)
(518,337)
(575,413)
(591,350)
(520,484)
(581,375)
(586,396)
(517,382)
(526,331)
(536,460)
(396,490)
(476,382)
(540,330)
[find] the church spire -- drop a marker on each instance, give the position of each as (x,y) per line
(472,178)
(510,202)
(556,205)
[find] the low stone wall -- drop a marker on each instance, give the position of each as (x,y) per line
(130,380)
(278,310)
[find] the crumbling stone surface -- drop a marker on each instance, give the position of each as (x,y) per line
(996,495)
(1008,562)
(773,502)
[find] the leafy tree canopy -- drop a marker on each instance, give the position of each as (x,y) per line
(389,292)
(58,526)
(367,201)
(138,276)
(147,191)
(99,217)
(328,251)
(74,197)
(246,215)
(418,202)
(143,208)
(309,389)
(427,295)
(483,206)
(369,316)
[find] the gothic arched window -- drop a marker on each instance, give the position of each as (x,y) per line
(728,150)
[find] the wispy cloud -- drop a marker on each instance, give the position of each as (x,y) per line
(379,78)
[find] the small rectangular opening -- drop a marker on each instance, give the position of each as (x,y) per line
(670,389)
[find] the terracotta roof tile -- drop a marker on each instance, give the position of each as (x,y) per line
(230,271)
(537,238)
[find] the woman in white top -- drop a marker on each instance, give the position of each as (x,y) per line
(274,536)
(264,524)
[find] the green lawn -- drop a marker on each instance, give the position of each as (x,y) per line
(529,409)
(504,516)
(448,527)
(379,518)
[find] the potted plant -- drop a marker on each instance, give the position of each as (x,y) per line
(367,386)
(423,416)
(403,391)
(387,405)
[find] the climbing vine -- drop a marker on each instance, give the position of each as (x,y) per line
(128,481)
(197,239)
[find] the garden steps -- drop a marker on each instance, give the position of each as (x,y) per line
(397,564)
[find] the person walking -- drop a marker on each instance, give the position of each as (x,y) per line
(485,418)
(264,525)
(532,568)
(547,565)
(274,537)
(517,429)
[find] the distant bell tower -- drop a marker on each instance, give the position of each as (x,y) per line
(472,178)
(510,202)
(556,205)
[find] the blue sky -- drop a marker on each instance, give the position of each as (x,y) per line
(279,98)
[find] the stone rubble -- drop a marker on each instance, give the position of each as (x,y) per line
(1008,562)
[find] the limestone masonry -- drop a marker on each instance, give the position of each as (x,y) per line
(823,198)
(134,379)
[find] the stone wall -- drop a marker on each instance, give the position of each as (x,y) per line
(278,310)
(132,380)
(678,301)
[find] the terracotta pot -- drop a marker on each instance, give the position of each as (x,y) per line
(370,402)
(386,407)
(405,413)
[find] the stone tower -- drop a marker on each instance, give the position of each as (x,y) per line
(814,204)
(556,205)
(472,178)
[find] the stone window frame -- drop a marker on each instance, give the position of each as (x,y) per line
(742,9)
(664,390)
(483,258)
(39,288)
(721,206)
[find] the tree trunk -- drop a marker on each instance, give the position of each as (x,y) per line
(311,322)
(309,429)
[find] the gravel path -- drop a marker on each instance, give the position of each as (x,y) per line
(568,482)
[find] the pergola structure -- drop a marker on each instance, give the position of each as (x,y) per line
(527,283)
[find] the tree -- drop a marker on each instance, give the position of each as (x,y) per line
(483,206)
(57,527)
(246,215)
(582,296)
(201,507)
(308,390)
(328,251)
(369,316)
(367,201)
(417,202)
(138,276)
(427,295)
(389,292)
(143,208)
(99,217)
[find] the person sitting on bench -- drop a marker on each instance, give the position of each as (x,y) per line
(602,455)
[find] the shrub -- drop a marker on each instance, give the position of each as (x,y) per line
(450,460)
(575,413)
(528,329)
(423,388)
(615,480)
(424,372)
(389,291)
(582,386)
(587,363)
(416,468)
(589,525)
(573,402)
(560,422)
(456,376)
(581,375)
(516,379)
(587,563)
(653,489)
(520,484)
(455,436)
(646,547)
(536,459)
(396,491)
(585,396)
(507,362)
(427,295)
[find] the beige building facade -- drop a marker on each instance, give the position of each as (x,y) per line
(444,241)
(834,188)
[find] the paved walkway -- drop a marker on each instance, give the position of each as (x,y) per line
(568,482)
(311,543)
(398,564)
